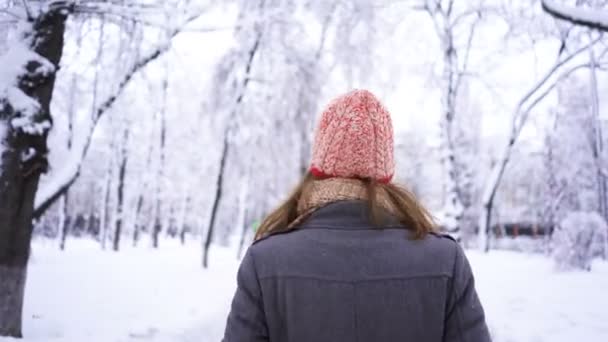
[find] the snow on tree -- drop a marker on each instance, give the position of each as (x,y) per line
(593,18)
(580,237)
(271,82)
(29,66)
(566,64)
(455,26)
(26,85)
(574,144)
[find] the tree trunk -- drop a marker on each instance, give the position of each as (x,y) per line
(183,226)
(120,211)
(244,232)
(216,202)
(597,141)
(453,206)
(597,145)
(143,191)
(485,219)
(241,90)
(64,221)
(92,224)
(160,171)
(243,213)
(105,206)
(485,224)
(19,176)
(65,229)
(137,226)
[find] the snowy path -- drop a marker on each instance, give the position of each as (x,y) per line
(84,294)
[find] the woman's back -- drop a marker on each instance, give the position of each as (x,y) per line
(350,256)
(337,278)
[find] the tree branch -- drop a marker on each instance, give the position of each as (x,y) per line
(552,71)
(27,10)
(546,92)
(595,19)
(48,193)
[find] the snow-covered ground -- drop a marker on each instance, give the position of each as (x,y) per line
(85,294)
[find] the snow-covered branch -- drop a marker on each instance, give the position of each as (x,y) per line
(55,187)
(527,103)
(580,16)
(520,114)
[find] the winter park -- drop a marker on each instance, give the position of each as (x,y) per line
(155,157)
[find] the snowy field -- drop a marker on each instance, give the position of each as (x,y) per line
(84,294)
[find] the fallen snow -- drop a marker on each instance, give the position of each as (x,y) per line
(85,294)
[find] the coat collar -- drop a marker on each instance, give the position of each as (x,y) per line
(345,215)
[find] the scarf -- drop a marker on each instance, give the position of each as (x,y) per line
(321,193)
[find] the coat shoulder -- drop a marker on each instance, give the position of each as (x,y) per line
(275,242)
(270,239)
(444,236)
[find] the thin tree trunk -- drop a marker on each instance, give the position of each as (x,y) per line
(105,205)
(161,167)
(140,203)
(225,147)
(244,232)
(137,224)
(120,211)
(243,213)
(137,227)
(597,145)
(453,204)
(143,190)
(106,210)
(451,79)
(64,220)
(218,197)
(65,223)
(19,178)
(92,228)
(183,226)
(597,142)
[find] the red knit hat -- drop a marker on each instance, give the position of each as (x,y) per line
(354,139)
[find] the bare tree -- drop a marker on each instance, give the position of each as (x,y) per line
(53,189)
(448,20)
(524,107)
(25,119)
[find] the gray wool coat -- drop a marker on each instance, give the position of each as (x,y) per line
(338,279)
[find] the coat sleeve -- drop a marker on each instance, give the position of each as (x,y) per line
(246,321)
(465,318)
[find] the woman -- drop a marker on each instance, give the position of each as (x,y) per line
(350,256)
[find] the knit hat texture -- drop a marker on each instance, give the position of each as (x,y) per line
(354,139)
